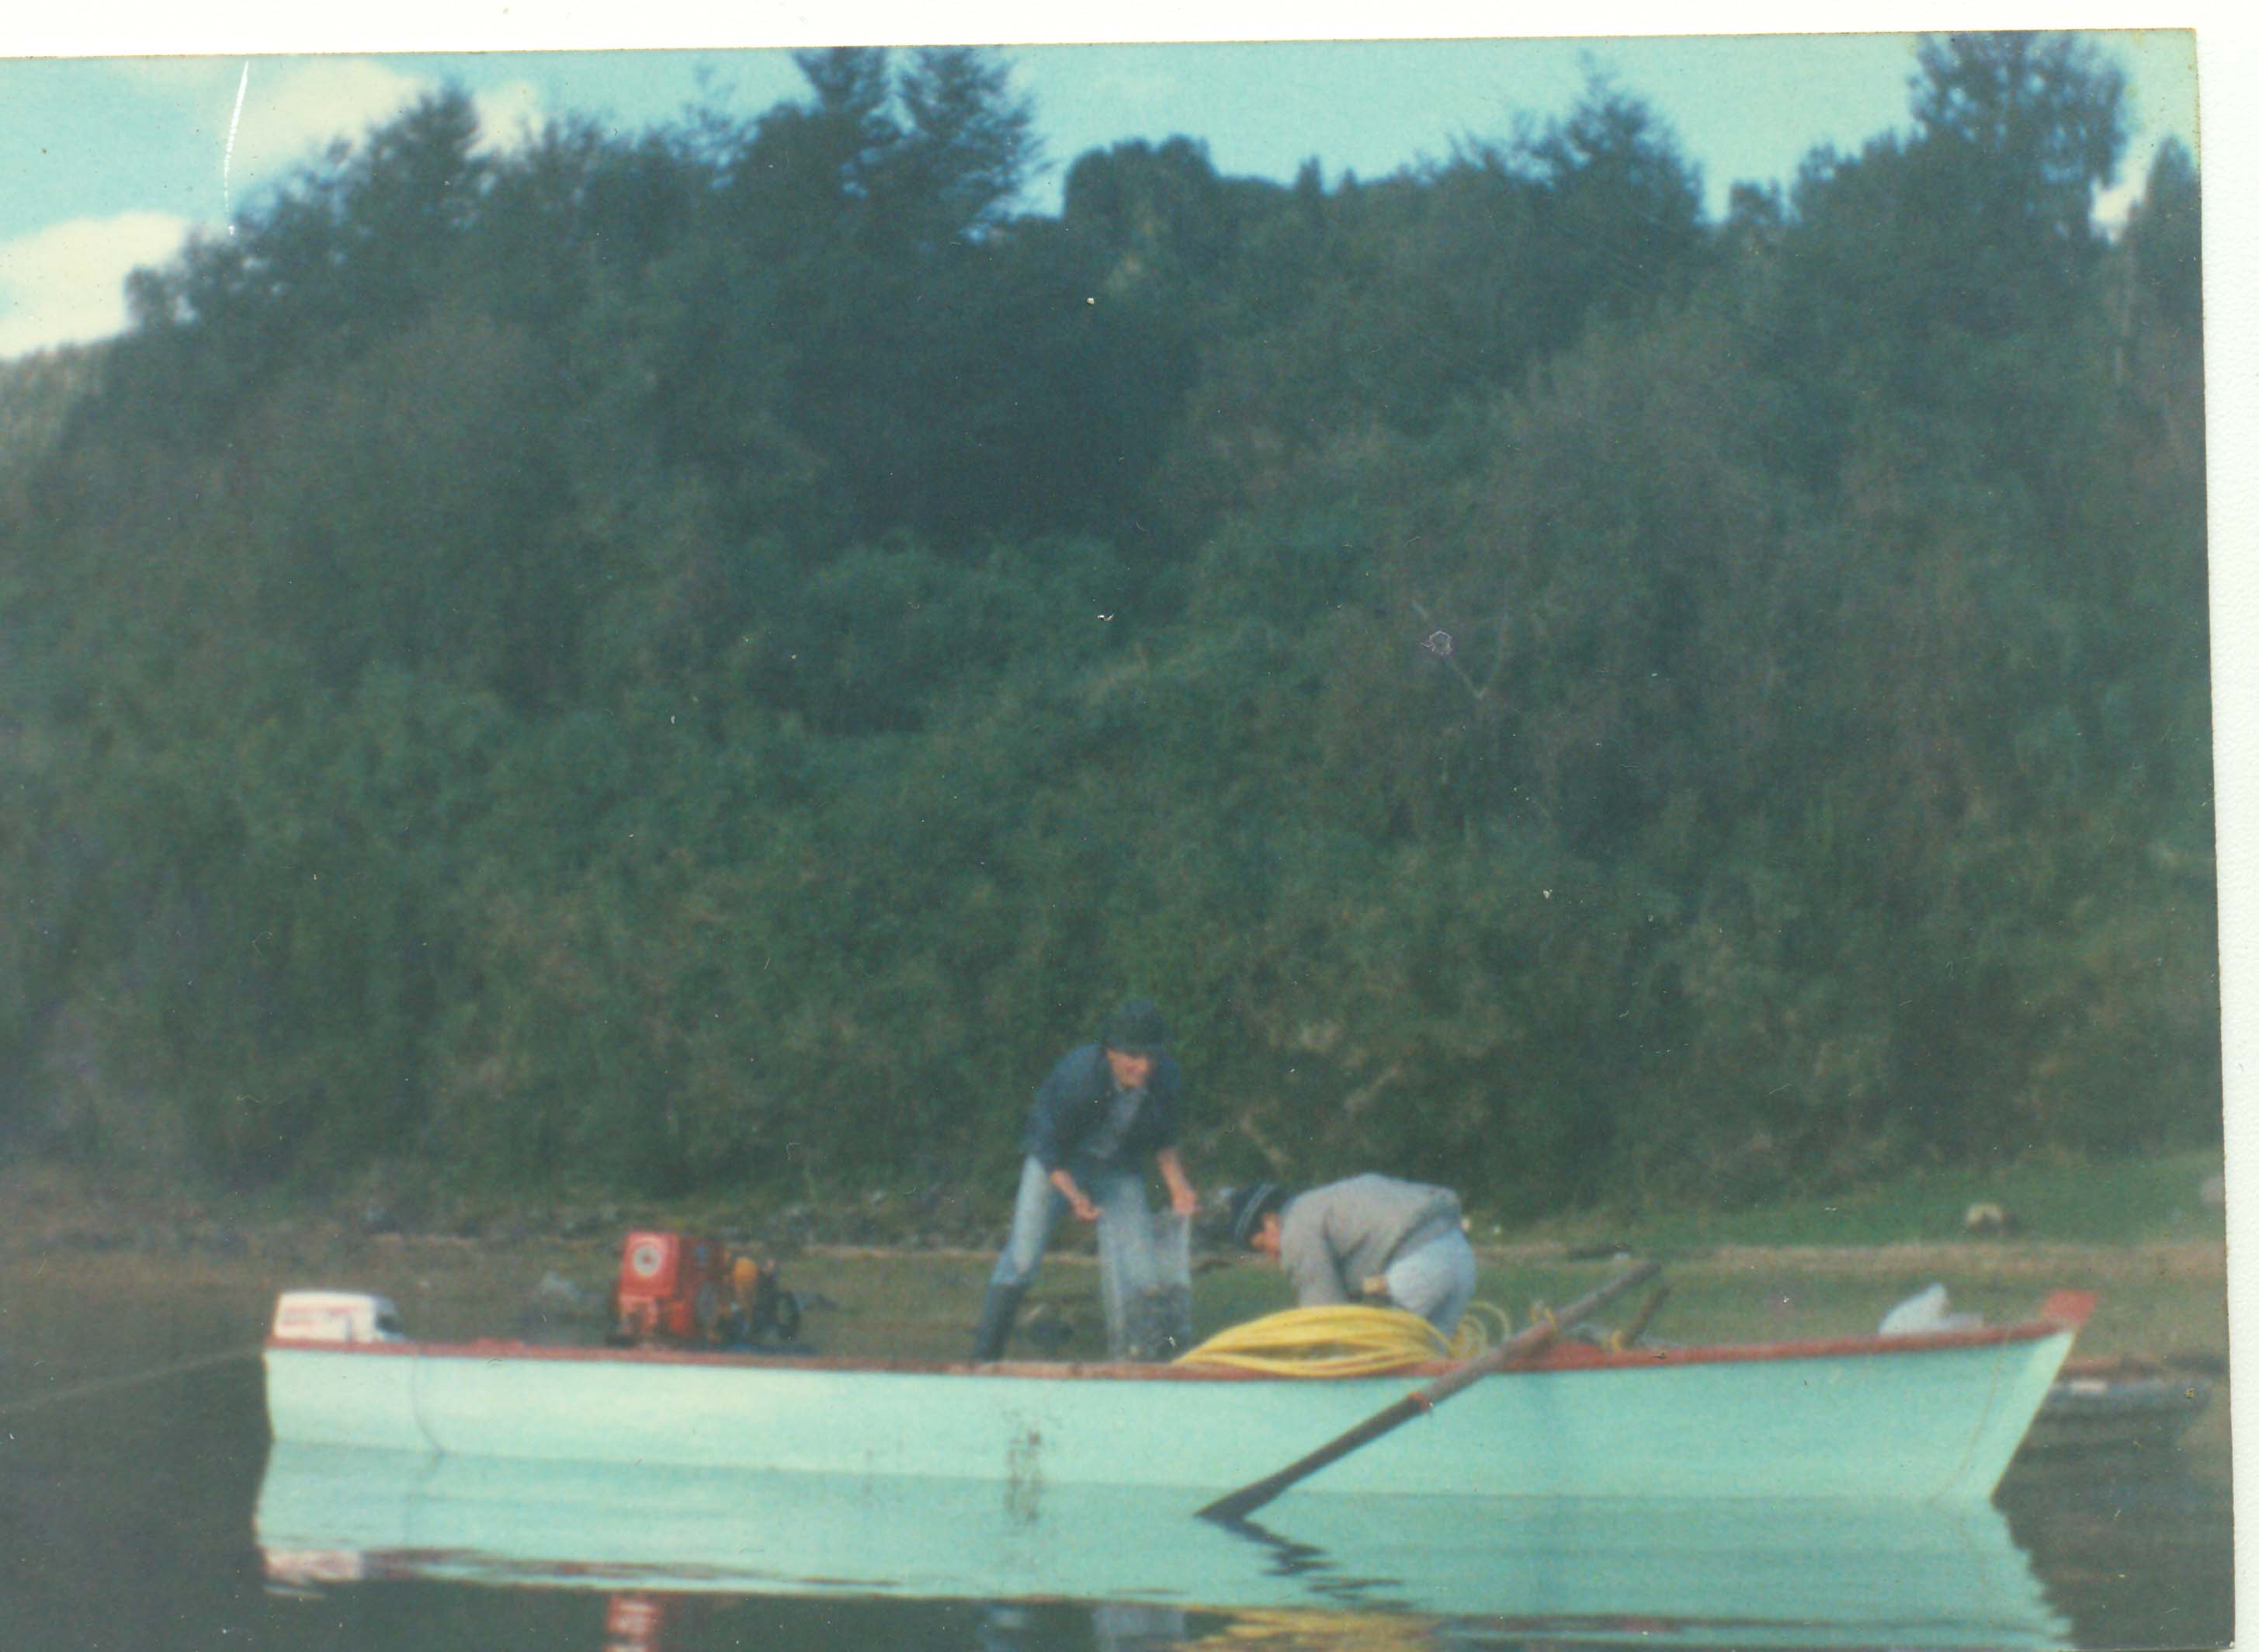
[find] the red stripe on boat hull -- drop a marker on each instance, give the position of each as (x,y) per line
(1561,1357)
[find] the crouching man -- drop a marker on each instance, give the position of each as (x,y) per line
(1371,1239)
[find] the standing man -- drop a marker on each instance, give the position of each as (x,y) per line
(1103,1109)
(1369,1239)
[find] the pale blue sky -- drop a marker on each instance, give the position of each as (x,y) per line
(108,161)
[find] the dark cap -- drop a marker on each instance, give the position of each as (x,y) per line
(1247,1210)
(1136,1029)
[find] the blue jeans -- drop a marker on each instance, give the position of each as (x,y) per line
(1436,1281)
(1119,1194)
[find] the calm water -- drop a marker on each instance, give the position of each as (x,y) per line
(153,1518)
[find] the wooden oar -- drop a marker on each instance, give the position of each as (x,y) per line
(1240,1504)
(1639,1322)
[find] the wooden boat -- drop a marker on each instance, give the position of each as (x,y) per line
(1932,1417)
(2116,1407)
(1745,1573)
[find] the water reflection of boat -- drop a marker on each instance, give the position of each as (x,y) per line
(1748,1573)
(1935,1416)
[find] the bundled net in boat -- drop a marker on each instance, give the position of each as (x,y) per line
(1346,1342)
(1145,1280)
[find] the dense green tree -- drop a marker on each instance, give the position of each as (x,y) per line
(1941,278)
(1393,302)
(2030,125)
(2165,236)
(1619,209)
(698,660)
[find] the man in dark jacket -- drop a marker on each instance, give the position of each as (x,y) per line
(1104,1107)
(1369,1239)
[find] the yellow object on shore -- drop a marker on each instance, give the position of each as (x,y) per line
(1345,1342)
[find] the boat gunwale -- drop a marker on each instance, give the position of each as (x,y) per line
(1562,1358)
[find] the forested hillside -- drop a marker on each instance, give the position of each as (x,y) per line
(705,658)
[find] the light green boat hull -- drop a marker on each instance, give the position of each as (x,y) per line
(1925,1419)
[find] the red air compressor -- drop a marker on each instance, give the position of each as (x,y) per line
(685,1290)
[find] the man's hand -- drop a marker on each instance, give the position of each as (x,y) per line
(1182,1199)
(1071,1190)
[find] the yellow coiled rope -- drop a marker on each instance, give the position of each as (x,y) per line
(1346,1342)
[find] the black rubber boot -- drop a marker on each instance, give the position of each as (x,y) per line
(998,1309)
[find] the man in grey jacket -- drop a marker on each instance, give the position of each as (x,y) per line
(1369,1239)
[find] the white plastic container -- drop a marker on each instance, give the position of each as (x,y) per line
(336,1316)
(1926,1312)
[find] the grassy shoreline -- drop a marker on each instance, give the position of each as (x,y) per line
(2161,1198)
(69,1318)
(2163,1292)
(96,1281)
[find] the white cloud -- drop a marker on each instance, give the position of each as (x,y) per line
(174,75)
(2113,207)
(291,115)
(509,115)
(65,284)
(1142,85)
